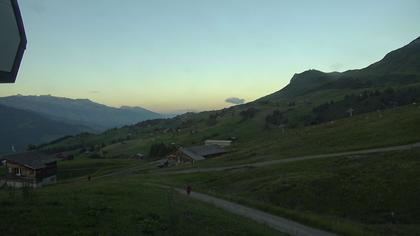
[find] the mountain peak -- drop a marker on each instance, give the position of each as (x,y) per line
(312,77)
(306,75)
(401,66)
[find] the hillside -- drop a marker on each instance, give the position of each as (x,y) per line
(20,128)
(405,60)
(312,99)
(399,67)
(80,111)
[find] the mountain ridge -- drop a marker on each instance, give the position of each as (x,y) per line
(19,128)
(395,67)
(79,111)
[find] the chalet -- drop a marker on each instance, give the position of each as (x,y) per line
(198,153)
(30,169)
(221,143)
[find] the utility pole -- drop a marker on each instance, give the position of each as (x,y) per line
(350,111)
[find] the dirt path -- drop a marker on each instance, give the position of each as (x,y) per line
(279,223)
(301,158)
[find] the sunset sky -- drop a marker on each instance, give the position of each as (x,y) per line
(171,55)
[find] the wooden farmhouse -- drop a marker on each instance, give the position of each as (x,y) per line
(30,169)
(197,153)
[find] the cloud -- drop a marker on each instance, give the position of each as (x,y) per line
(235,100)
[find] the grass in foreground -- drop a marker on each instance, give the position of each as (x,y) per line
(115,207)
(82,166)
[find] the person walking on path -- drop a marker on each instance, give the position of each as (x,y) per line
(188,189)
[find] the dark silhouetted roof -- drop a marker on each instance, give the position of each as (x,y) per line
(33,160)
(200,152)
(191,154)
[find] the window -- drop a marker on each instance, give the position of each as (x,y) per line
(18,171)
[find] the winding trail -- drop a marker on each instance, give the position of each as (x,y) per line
(279,223)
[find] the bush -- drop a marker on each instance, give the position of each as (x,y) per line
(212,120)
(367,101)
(161,150)
(248,113)
(276,118)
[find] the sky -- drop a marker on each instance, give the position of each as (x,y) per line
(177,55)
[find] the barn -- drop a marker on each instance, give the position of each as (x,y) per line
(30,169)
(198,153)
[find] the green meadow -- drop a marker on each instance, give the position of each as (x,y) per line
(374,194)
(114,206)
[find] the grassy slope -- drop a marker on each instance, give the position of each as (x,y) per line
(256,139)
(83,166)
(256,142)
(392,127)
(350,195)
(115,207)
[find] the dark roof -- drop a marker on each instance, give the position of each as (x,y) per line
(191,154)
(33,160)
(200,152)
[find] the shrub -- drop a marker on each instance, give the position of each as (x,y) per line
(161,150)
(276,118)
(248,113)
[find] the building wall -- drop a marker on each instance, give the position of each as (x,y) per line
(25,171)
(31,183)
(220,143)
(49,170)
(182,158)
(29,177)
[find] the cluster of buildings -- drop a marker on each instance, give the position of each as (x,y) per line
(36,169)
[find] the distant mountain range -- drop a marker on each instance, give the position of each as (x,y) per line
(20,128)
(36,119)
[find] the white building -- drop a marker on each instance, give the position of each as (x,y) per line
(220,143)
